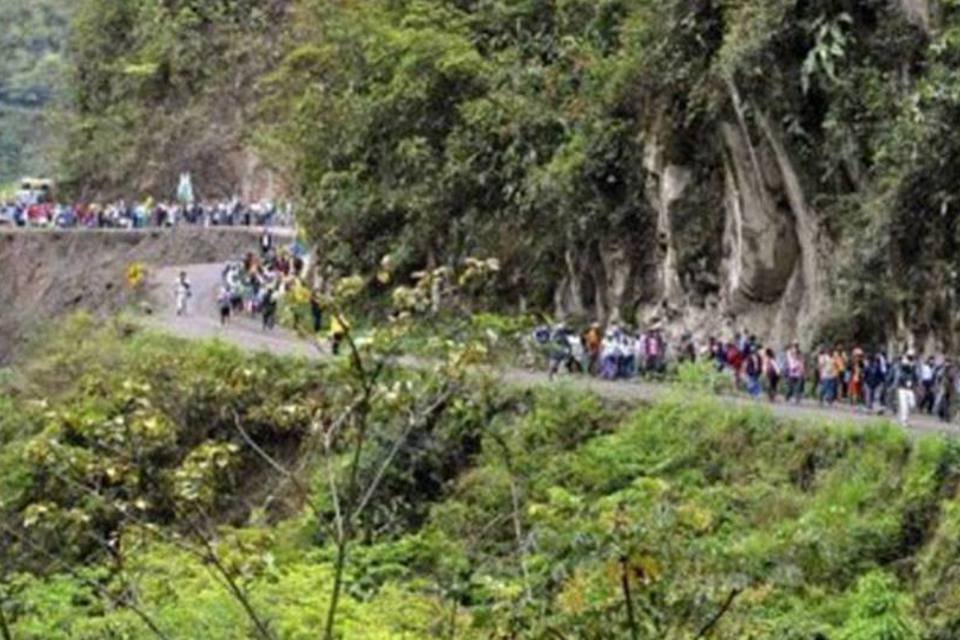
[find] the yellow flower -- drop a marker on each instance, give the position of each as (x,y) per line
(136,274)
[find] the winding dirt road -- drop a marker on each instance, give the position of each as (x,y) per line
(202,322)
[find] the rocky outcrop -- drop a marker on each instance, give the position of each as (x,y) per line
(919,12)
(760,241)
(766,277)
(665,185)
(252,179)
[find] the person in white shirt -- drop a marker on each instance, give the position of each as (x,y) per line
(182,293)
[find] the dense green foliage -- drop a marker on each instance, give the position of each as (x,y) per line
(33,38)
(519,129)
(511,515)
(163,87)
(151,488)
(458,129)
(431,130)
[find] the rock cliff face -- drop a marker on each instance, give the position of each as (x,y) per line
(760,269)
(920,12)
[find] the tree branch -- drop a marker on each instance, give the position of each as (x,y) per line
(413,423)
(712,622)
(238,593)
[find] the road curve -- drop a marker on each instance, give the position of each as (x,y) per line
(202,323)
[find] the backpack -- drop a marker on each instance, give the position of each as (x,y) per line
(774,367)
(733,356)
(752,366)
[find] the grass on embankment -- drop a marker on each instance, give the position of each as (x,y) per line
(790,531)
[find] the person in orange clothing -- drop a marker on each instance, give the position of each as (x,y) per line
(843,372)
(592,341)
(856,369)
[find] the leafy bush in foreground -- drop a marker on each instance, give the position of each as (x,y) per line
(564,517)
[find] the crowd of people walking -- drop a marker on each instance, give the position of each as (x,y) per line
(145,214)
(832,376)
(256,285)
(875,382)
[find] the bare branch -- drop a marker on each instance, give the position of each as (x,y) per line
(712,622)
(208,553)
(238,592)
(553,631)
(279,468)
(413,423)
(334,492)
(515,503)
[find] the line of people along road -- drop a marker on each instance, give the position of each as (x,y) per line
(143,214)
(875,382)
(832,376)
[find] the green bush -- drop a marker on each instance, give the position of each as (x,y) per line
(512,513)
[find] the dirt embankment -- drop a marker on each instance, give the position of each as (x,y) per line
(46,274)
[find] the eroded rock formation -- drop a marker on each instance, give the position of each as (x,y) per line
(753,263)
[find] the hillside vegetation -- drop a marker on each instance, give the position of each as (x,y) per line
(135,505)
(165,87)
(33,37)
(787,164)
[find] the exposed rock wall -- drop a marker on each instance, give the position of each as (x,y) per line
(767,277)
(761,243)
(49,274)
(919,12)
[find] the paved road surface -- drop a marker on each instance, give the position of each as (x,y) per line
(203,322)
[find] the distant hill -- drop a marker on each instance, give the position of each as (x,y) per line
(33,38)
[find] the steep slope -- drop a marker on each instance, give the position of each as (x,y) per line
(530,516)
(49,275)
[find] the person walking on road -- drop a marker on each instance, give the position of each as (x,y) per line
(827,370)
(182,293)
(855,369)
(927,374)
(316,312)
(269,308)
(874,375)
(224,302)
(266,243)
(944,386)
(752,371)
(338,332)
(796,372)
(592,341)
(906,384)
(560,352)
(772,372)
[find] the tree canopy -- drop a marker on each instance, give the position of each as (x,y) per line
(33,38)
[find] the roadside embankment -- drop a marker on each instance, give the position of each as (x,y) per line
(46,274)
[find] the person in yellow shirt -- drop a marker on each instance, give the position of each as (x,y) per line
(827,372)
(338,331)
